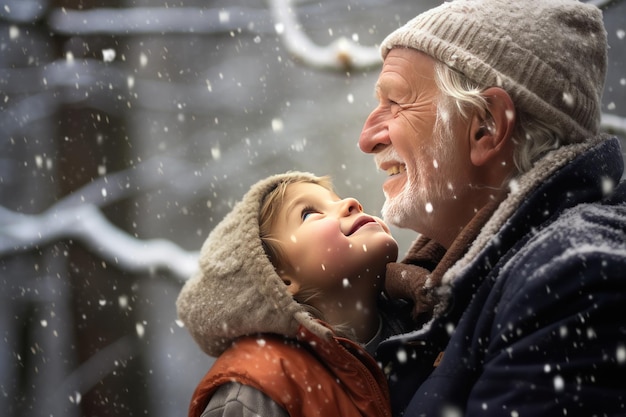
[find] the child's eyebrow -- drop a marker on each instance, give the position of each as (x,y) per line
(292,205)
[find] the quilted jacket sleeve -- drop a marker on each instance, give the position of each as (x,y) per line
(237,400)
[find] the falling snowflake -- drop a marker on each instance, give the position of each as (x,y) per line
(559,384)
(108,55)
(401,356)
(277,125)
(140,329)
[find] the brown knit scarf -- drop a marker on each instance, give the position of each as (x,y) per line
(419,274)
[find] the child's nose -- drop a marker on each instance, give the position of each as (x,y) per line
(350,205)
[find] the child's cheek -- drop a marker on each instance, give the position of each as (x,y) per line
(327,234)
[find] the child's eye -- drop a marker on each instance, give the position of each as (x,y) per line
(307,211)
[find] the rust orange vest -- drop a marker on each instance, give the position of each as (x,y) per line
(310,377)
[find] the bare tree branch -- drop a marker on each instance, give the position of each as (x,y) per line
(90,372)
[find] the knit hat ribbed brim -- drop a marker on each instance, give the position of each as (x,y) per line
(550,55)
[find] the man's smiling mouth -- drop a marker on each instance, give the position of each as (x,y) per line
(395,170)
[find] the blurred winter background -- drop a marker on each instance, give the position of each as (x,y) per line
(127,130)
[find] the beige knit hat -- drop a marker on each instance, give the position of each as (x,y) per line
(236,291)
(550,55)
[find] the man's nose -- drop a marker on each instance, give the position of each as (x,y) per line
(375,134)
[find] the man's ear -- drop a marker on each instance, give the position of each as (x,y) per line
(491,133)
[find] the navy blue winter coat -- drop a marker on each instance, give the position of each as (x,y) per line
(533,317)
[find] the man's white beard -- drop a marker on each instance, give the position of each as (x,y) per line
(401,210)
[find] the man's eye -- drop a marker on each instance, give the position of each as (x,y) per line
(395,107)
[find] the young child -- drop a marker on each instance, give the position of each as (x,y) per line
(286,299)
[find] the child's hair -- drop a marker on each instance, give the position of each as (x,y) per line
(270,207)
(268,214)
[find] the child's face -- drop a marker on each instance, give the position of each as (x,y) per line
(330,245)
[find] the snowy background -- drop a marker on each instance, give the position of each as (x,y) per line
(128,128)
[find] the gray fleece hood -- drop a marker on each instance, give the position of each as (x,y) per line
(236,290)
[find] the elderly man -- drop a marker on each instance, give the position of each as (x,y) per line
(488,128)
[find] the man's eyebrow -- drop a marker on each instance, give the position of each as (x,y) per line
(377,89)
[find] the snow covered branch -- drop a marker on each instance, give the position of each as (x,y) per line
(613,123)
(78,217)
(152,20)
(342,54)
(87,224)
